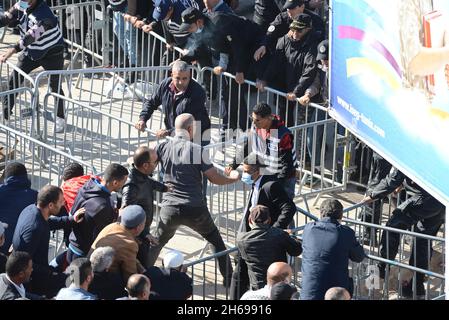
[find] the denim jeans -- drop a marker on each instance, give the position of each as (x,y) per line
(199,220)
(126,36)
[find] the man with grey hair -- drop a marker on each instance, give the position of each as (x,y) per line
(184,164)
(177,94)
(106,285)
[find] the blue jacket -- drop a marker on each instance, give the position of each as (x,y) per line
(15,195)
(32,234)
(192,101)
(327,248)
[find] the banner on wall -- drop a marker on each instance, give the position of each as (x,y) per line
(390,82)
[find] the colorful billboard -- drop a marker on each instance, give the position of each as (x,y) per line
(390,82)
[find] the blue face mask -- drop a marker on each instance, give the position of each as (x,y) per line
(246,178)
(24,5)
(199,30)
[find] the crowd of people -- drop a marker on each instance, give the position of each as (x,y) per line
(111,250)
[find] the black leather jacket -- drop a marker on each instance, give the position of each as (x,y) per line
(139,190)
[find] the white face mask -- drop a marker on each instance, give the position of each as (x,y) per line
(199,30)
(23,5)
(324,68)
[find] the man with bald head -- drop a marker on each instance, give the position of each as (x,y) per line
(138,288)
(337,293)
(139,189)
(277,272)
(184,164)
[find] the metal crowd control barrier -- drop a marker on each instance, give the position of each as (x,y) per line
(100,130)
(44,164)
(84,26)
(132,47)
(367,284)
(21,114)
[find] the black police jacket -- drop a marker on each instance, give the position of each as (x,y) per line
(240,35)
(293,66)
(281,24)
(265,11)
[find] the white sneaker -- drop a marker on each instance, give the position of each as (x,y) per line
(60,125)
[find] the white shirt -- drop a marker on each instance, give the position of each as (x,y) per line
(20,289)
(255,195)
(261,294)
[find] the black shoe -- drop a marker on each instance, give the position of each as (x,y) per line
(6,113)
(370,242)
(407,290)
(381,268)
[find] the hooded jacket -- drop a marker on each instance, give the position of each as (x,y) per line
(95,198)
(15,195)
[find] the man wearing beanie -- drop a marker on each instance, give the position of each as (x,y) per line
(121,236)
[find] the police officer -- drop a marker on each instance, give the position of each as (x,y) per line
(421,210)
(265,11)
(41,44)
(280,26)
(293,66)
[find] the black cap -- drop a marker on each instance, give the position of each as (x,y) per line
(302,22)
(189,16)
(323,50)
(259,214)
(282,291)
(291,4)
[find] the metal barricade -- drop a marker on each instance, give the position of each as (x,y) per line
(84,26)
(17,108)
(367,283)
(132,47)
(44,165)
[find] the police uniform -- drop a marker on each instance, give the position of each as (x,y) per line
(41,44)
(280,26)
(420,210)
(293,67)
(265,11)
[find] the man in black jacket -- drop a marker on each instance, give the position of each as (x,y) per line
(18,272)
(265,11)
(177,94)
(95,197)
(267,191)
(421,210)
(264,245)
(139,189)
(280,25)
(293,67)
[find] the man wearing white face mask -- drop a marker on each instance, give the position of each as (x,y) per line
(266,191)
